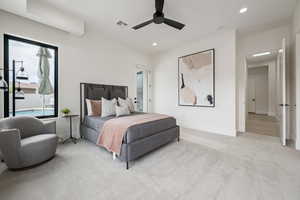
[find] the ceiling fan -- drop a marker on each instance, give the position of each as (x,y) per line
(159,18)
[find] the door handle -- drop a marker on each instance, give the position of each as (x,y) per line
(284,105)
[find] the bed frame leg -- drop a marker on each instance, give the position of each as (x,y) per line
(127,162)
(178,138)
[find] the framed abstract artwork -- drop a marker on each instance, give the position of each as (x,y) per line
(196,79)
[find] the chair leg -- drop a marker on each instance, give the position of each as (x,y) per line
(127,165)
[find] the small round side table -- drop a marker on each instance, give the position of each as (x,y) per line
(71,138)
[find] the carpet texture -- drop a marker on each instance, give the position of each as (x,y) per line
(212,167)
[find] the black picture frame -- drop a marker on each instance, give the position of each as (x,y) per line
(214,84)
(8,37)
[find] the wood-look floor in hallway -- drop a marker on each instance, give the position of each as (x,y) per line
(262,124)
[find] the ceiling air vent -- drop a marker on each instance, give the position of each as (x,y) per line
(121,23)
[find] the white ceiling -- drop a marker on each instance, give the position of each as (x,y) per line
(44,13)
(200,16)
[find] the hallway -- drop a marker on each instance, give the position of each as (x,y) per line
(262,124)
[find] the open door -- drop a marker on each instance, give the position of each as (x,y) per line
(283,105)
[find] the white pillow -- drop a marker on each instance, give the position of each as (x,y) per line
(108,107)
(126,102)
(122,110)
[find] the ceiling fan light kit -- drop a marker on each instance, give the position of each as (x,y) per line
(159,18)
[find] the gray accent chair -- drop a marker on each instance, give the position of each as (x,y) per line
(27,141)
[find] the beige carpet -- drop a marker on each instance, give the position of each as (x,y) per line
(213,167)
(262,124)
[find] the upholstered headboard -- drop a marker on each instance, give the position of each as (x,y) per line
(97,91)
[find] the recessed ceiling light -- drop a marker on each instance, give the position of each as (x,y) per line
(154,44)
(243,10)
(261,54)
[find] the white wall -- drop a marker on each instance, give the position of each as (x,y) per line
(296,18)
(250,44)
(297,87)
(220,119)
(295,76)
(272,88)
(260,75)
(90,58)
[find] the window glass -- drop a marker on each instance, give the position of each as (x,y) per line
(32,80)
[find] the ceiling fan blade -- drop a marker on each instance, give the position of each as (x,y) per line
(159,5)
(173,23)
(142,24)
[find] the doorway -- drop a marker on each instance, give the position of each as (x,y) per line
(261,117)
(140,93)
(258,90)
(278,107)
(265,93)
(142,98)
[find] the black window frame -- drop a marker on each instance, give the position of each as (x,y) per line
(7,38)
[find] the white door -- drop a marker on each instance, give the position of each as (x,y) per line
(140,93)
(143,86)
(251,94)
(283,105)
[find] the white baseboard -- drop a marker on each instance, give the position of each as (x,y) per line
(272,114)
(261,113)
(297,145)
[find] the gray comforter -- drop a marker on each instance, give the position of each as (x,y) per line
(135,132)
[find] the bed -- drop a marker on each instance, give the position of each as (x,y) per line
(139,139)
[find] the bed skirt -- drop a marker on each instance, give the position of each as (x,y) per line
(138,148)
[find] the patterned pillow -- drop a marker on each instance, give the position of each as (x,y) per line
(108,107)
(93,107)
(122,110)
(126,102)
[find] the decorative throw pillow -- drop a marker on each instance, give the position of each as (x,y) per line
(126,102)
(93,107)
(122,110)
(108,107)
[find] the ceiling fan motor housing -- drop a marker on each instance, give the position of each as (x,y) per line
(158,18)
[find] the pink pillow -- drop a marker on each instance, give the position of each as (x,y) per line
(94,107)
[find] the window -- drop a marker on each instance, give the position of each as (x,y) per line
(140,91)
(31,71)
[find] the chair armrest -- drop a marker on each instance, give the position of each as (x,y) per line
(50,127)
(9,137)
(10,144)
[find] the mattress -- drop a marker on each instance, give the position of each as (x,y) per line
(135,132)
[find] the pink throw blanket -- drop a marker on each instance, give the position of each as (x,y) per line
(113,130)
